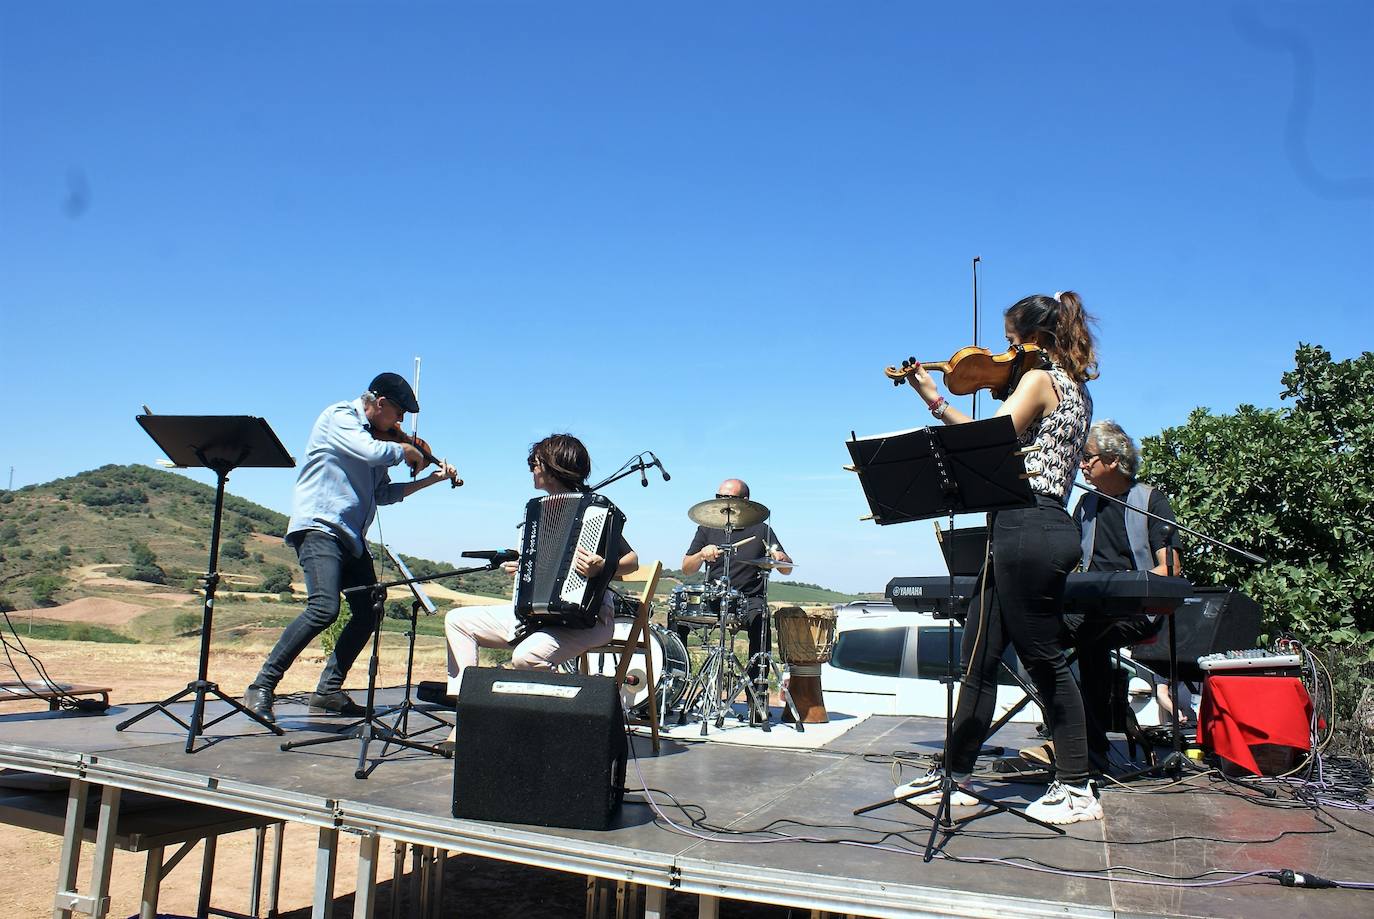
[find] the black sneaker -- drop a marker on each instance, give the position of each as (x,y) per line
(258,700)
(335,703)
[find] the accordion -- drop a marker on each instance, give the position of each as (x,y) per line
(548,590)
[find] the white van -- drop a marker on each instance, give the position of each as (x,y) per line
(887,661)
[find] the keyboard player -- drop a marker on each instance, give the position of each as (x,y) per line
(1114,538)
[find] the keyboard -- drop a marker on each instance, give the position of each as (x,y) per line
(1113,594)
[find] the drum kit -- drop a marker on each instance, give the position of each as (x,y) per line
(715,612)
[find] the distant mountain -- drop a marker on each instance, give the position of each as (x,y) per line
(153,526)
(136,522)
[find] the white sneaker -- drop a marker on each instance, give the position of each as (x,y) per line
(1066,804)
(925,792)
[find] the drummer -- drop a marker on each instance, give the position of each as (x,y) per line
(754,542)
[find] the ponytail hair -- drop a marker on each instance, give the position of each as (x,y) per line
(564,458)
(1060,325)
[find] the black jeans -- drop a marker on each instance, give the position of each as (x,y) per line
(329,570)
(1020,601)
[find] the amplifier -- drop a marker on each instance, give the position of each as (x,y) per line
(540,747)
(1213,619)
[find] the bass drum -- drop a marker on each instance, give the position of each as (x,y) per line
(670,666)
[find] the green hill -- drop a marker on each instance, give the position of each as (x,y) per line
(108,531)
(151,526)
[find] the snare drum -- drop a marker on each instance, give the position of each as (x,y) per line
(670,661)
(688,606)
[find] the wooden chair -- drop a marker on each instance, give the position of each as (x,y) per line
(635,642)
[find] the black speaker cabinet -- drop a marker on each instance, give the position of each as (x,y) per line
(539,747)
(1213,619)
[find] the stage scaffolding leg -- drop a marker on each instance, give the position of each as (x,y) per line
(365,900)
(326,859)
(67,900)
(207,877)
(655,902)
(708,907)
(152,884)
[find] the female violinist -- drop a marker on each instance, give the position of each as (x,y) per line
(1031,550)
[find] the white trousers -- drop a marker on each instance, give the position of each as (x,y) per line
(471,627)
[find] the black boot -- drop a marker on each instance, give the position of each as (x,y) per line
(258,700)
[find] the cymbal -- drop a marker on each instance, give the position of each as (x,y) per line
(768,563)
(735,512)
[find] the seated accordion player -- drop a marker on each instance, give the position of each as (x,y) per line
(548,590)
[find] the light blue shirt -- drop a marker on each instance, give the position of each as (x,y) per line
(343,477)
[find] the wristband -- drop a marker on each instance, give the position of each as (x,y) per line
(937,408)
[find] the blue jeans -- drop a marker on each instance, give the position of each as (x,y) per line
(1033,551)
(329,570)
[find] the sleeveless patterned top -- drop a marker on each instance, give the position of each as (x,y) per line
(1060,435)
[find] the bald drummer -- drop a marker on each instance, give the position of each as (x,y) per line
(762,542)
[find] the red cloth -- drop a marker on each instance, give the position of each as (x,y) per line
(1238,711)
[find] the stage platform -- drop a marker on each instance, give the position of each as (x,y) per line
(867,866)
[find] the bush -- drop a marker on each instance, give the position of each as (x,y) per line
(233,548)
(277,580)
(44,588)
(395,609)
(150,574)
(188,623)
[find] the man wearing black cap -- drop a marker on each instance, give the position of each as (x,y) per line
(342,480)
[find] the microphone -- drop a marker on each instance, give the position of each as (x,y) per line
(643,480)
(494,555)
(659,463)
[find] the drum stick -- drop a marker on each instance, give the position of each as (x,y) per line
(736,545)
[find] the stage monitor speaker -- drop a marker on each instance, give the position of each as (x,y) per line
(539,747)
(1213,619)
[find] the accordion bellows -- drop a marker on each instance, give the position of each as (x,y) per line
(548,591)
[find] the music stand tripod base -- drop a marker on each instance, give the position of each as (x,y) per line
(220,443)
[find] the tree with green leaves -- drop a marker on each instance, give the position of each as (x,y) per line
(1294,485)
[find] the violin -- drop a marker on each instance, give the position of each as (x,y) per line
(397,436)
(973,368)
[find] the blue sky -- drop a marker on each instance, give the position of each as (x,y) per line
(697,229)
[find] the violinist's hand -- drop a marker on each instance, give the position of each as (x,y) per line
(510,568)
(924,384)
(587,564)
(414,459)
(444,471)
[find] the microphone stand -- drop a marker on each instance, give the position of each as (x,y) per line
(371,727)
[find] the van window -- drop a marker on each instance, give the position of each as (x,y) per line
(932,647)
(873,651)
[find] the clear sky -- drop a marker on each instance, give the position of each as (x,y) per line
(699,229)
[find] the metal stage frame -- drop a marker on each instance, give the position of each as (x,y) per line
(407,800)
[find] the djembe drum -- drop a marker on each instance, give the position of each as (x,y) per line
(805,640)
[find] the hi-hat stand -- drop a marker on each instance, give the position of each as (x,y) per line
(370,727)
(221,443)
(933,472)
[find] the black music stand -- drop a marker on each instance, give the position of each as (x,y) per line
(400,725)
(221,443)
(937,472)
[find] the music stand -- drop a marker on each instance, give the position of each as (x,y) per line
(221,443)
(936,472)
(400,726)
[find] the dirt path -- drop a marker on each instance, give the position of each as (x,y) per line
(473,886)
